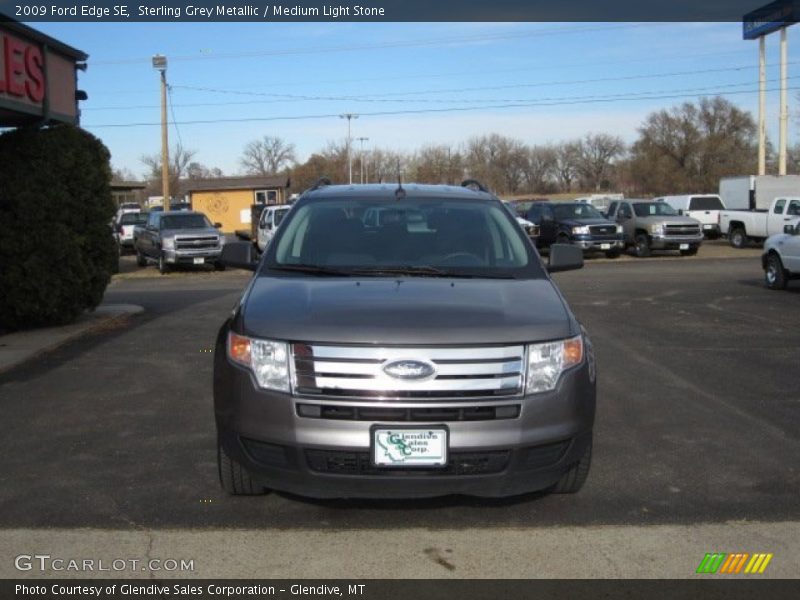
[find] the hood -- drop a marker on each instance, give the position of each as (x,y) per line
(405,310)
(587,221)
(670,220)
(192,231)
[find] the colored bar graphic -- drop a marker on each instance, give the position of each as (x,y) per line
(734,563)
(711,562)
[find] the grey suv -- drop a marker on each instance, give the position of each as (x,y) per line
(428,355)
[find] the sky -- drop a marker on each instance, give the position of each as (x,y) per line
(410,83)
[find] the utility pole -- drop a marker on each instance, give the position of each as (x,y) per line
(762,101)
(160,64)
(784,118)
(361,161)
(349,117)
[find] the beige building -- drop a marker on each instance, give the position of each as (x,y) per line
(230,200)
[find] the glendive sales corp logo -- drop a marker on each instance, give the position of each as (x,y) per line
(735,563)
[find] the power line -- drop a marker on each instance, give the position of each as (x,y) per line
(172,112)
(593,100)
(379,97)
(438,41)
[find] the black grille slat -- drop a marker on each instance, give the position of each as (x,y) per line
(415,415)
(337,462)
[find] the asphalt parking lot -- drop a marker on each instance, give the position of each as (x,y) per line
(697,422)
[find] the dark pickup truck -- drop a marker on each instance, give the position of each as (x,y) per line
(178,238)
(425,354)
(576,223)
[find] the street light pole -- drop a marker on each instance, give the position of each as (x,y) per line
(349,117)
(160,64)
(362,140)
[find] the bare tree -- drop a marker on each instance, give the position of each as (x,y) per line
(539,168)
(123,174)
(196,170)
(595,158)
(566,165)
(267,156)
(179,160)
(436,164)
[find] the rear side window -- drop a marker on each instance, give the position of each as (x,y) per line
(705,203)
(779,206)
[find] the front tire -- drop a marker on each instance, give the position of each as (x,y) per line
(233,477)
(572,481)
(219,266)
(163,267)
(140,259)
(738,238)
(612,254)
(642,245)
(775,275)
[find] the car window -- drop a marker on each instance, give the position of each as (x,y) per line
(625,210)
(654,209)
(184,222)
(705,203)
(136,218)
(612,208)
(475,238)
(794,208)
(564,212)
(778,210)
(534,213)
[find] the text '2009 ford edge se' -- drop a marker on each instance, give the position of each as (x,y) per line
(424,353)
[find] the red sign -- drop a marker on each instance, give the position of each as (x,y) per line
(21,70)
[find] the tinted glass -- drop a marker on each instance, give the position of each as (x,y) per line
(184,222)
(564,212)
(706,203)
(654,209)
(133,219)
(453,237)
(778,210)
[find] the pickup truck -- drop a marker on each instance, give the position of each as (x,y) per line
(781,258)
(703,207)
(402,341)
(178,238)
(651,225)
(268,224)
(744,226)
(576,223)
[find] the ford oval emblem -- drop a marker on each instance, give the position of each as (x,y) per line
(409,369)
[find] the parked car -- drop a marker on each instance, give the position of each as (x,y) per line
(532,229)
(123,229)
(268,223)
(649,225)
(125,207)
(391,361)
(705,208)
(576,223)
(781,257)
(744,226)
(178,238)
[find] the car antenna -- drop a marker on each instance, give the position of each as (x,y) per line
(400,192)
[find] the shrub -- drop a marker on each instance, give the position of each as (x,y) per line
(56,249)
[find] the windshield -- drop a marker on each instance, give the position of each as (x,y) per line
(185,222)
(654,209)
(706,203)
(412,236)
(564,212)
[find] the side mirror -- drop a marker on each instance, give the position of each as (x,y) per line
(239,255)
(218,225)
(565,257)
(790,230)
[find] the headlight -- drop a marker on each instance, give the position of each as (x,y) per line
(222,240)
(546,363)
(268,360)
(657,228)
(168,243)
(583,230)
(619,228)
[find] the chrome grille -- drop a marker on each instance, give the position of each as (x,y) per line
(357,371)
(603,229)
(198,242)
(682,230)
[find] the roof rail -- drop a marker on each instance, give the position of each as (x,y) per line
(475,185)
(321,182)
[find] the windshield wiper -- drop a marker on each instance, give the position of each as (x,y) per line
(311,269)
(425,270)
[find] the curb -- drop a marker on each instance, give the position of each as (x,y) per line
(20,347)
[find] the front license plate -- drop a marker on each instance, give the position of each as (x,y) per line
(707,226)
(684,246)
(605,246)
(199,261)
(401,447)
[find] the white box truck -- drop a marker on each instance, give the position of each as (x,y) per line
(756,192)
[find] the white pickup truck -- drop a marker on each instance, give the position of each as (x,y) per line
(742,226)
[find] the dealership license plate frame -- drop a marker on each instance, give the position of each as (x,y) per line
(199,260)
(439,462)
(684,247)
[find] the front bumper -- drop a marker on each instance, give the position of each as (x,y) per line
(674,242)
(603,244)
(330,457)
(187,257)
